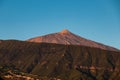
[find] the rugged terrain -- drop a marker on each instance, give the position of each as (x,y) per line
(68,38)
(58,61)
(58,56)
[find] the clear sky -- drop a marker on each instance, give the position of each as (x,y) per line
(98,20)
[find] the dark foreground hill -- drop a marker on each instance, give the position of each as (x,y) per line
(62,62)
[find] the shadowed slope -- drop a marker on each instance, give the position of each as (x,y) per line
(67,62)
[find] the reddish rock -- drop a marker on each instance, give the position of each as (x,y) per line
(68,38)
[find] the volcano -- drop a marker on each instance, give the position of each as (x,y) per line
(68,38)
(58,56)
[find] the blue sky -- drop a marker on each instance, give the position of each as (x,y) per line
(98,20)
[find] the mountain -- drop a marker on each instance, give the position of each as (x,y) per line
(58,56)
(51,61)
(68,38)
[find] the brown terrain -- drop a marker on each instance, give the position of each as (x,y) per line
(58,56)
(68,38)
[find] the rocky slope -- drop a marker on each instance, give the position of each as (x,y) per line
(68,38)
(58,61)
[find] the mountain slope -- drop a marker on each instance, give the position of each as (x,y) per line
(65,62)
(59,56)
(68,38)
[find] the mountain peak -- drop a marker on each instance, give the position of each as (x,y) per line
(65,31)
(67,37)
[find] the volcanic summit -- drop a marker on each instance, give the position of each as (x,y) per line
(68,38)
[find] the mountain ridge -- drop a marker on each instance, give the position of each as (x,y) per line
(54,61)
(64,62)
(68,38)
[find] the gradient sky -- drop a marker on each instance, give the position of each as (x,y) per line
(98,20)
